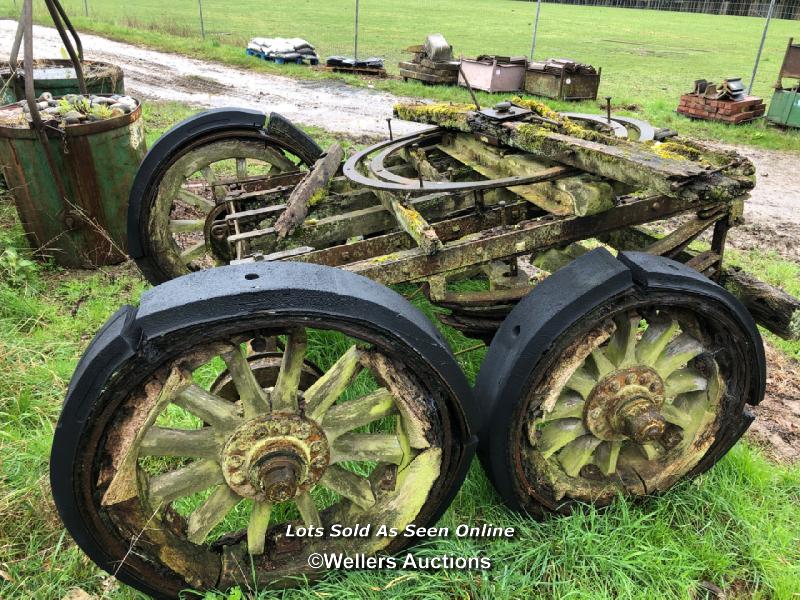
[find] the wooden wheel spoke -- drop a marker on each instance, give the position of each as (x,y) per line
(284,394)
(124,486)
(582,382)
(241,169)
(651,451)
(212,409)
(621,350)
(189,443)
(607,456)
(655,340)
(196,477)
(308,510)
(257,527)
(577,454)
(569,405)
(685,380)
(677,353)
(676,416)
(380,447)
(602,363)
(558,434)
(211,513)
(193,252)
(324,392)
(347,416)
(199,202)
(254,399)
(186,225)
(278,160)
(217,191)
(349,485)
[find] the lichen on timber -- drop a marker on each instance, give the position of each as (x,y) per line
(453,116)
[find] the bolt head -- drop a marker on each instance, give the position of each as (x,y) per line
(654,386)
(630,379)
(614,385)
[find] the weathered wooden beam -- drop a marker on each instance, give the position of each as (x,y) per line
(578,194)
(410,221)
(502,242)
(771,307)
(632,163)
(368,221)
(312,186)
(676,241)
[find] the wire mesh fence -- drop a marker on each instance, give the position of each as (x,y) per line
(636,48)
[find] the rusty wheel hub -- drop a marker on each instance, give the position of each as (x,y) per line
(274,458)
(625,405)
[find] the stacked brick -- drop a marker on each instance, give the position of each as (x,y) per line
(726,103)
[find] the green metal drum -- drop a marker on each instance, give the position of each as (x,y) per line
(97,163)
(58,78)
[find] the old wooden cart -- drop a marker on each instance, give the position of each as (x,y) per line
(616,365)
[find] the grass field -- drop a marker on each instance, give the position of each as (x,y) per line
(737,527)
(648,58)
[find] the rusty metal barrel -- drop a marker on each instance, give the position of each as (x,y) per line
(58,77)
(97,162)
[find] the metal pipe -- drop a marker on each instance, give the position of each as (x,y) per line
(76,61)
(68,23)
(202,22)
(469,87)
(761,46)
(12,58)
(535,26)
(355,35)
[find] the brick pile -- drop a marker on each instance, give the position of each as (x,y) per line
(726,102)
(729,111)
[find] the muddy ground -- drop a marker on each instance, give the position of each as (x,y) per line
(772,213)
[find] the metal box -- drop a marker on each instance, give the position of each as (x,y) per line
(785,108)
(492,75)
(562,86)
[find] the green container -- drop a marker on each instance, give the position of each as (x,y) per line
(785,108)
(97,163)
(58,78)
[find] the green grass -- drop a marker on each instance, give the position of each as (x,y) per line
(737,527)
(649,58)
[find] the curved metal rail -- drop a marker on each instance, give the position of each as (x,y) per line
(387,181)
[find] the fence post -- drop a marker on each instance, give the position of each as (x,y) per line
(355,36)
(202,24)
(761,47)
(85,7)
(535,26)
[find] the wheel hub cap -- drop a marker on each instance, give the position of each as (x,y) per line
(273,458)
(625,405)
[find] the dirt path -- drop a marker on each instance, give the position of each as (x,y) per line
(149,74)
(773,211)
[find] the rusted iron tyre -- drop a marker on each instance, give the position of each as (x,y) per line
(177,196)
(170,486)
(615,377)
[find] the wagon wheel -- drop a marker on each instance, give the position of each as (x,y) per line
(633,401)
(192,485)
(188,199)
